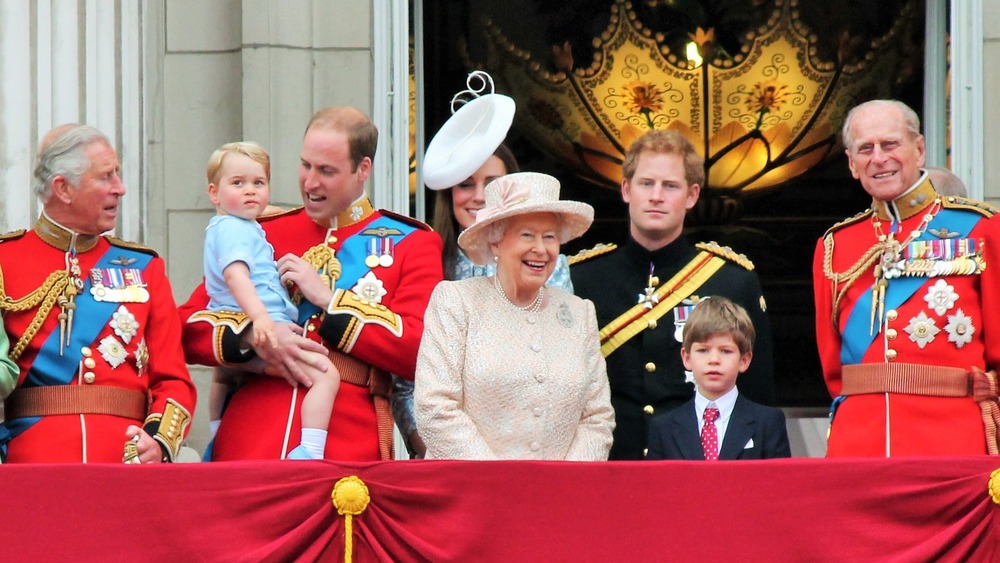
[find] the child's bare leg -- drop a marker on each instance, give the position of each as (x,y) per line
(222,379)
(317,405)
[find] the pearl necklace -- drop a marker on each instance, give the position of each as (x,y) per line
(532,307)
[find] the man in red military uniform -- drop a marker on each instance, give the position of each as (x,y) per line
(906,299)
(91,321)
(361,278)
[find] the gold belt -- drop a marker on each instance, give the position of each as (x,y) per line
(75,399)
(910,379)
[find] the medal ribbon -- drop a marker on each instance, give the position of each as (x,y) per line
(858,336)
(51,368)
(352,256)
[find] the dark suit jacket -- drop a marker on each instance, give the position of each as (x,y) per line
(675,435)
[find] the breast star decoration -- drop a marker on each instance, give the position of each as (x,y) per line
(922,329)
(941,297)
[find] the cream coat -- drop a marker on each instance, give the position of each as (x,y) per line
(496,382)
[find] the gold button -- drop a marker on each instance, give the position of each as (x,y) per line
(648,409)
(89,363)
(890,354)
(891,314)
(652,323)
(650,367)
(89,377)
(86,351)
(891,334)
(311,327)
(331,240)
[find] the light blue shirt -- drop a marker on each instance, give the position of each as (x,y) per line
(231,239)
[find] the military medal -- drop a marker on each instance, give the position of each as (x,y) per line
(959,329)
(370,288)
(648,298)
(372,259)
(112,351)
(386,259)
(118,285)
(922,329)
(141,358)
(380,246)
(124,324)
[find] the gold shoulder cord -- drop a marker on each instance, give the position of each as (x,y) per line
(324,260)
(56,286)
(849,276)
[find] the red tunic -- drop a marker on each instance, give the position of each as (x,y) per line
(918,329)
(385,335)
(160,373)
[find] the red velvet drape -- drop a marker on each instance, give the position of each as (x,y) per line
(913,509)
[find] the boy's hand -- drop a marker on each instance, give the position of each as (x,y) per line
(285,359)
(263,333)
(296,271)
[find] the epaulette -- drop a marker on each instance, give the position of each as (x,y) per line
(115,241)
(726,252)
(849,221)
(588,253)
(272,211)
(956,202)
(13,235)
(406,219)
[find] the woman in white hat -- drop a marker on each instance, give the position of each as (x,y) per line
(509,368)
(465,155)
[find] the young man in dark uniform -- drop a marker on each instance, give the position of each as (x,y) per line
(644,290)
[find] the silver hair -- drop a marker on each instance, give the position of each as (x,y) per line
(65,156)
(909,117)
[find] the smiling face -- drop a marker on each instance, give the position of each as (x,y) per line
(716,363)
(884,155)
(526,254)
(91,208)
(467,198)
(327,180)
(658,197)
(242,189)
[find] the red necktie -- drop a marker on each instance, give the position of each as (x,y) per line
(710,435)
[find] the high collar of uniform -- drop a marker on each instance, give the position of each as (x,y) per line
(913,201)
(63,238)
(356,212)
(672,252)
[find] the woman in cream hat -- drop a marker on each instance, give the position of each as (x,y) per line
(466,154)
(509,368)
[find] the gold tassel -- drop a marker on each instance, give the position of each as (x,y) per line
(350,498)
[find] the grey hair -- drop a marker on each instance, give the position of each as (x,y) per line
(65,156)
(909,117)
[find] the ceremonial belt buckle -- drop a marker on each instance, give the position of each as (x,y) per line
(75,399)
(909,379)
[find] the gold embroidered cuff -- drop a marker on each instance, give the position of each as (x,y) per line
(173,424)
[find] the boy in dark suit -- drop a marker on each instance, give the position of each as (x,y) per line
(718,423)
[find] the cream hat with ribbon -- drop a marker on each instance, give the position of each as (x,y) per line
(519,194)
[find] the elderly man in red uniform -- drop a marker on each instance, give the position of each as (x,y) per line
(361,278)
(906,299)
(91,322)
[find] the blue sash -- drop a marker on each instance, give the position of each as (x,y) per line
(90,317)
(857,338)
(352,256)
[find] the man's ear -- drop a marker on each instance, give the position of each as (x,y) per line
(62,190)
(364,169)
